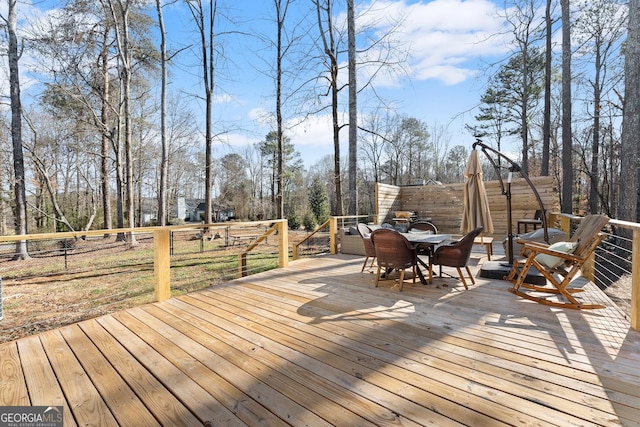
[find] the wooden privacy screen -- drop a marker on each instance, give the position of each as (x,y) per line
(443,203)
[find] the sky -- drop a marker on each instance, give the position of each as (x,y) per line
(450,45)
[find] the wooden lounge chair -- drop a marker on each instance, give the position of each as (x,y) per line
(394,252)
(559,264)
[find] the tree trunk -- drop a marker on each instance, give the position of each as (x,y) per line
(16,133)
(353,111)
(107,135)
(546,125)
(524,118)
(627,202)
(280,136)
(567,146)
(164,160)
(594,194)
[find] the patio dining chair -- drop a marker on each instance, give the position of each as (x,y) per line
(558,263)
(455,255)
(393,252)
(422,226)
(369,250)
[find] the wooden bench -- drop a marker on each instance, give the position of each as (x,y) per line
(488,244)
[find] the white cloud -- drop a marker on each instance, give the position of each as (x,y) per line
(445,38)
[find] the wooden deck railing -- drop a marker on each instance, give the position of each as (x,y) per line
(162,245)
(162,249)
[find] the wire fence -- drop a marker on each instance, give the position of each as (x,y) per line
(69,280)
(612,268)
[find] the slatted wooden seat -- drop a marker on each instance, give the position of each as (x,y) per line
(586,238)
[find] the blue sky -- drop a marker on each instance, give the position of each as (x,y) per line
(450,44)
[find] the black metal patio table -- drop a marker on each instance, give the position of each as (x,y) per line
(425,239)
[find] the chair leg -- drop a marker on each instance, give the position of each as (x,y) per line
(373,259)
(401,279)
(365,264)
(378,276)
(464,282)
(430,272)
(513,273)
(473,282)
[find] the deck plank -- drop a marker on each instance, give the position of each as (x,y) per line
(87,405)
(317,344)
(165,407)
(194,397)
(218,376)
(13,389)
(42,383)
(123,403)
(263,368)
(389,345)
(451,385)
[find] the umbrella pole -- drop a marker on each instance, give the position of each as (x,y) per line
(509,219)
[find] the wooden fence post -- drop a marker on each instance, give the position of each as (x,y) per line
(635,281)
(283,243)
(333,235)
(162,263)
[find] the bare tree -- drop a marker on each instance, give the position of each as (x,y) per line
(630,150)
(120,11)
(548,55)
(282,6)
(164,157)
(16,131)
(567,146)
(206,30)
(328,36)
(353,110)
(600,30)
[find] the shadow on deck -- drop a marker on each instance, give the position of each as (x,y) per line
(317,344)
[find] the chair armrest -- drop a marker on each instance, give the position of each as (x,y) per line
(559,254)
(532,243)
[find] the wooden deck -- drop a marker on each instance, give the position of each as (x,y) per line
(316,344)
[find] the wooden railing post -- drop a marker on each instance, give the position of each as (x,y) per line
(333,235)
(242,264)
(162,263)
(635,281)
(283,243)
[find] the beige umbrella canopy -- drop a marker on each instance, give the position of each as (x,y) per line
(475,204)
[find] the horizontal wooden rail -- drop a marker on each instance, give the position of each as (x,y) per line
(281,229)
(162,244)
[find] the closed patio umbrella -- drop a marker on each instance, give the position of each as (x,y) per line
(475,204)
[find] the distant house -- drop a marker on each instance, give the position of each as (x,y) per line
(192,210)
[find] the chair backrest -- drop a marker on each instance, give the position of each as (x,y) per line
(423,226)
(587,234)
(393,250)
(365,232)
(457,254)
